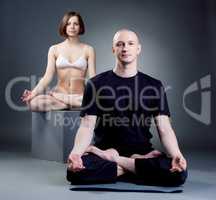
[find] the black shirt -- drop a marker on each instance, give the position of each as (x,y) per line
(124,108)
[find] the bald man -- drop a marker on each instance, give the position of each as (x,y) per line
(117,110)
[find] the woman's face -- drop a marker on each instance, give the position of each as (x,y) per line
(73,26)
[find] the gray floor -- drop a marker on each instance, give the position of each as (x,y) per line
(22,177)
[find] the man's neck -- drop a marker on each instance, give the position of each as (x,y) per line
(125,70)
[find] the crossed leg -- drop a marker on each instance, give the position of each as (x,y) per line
(43,103)
(149,171)
(72,100)
(97,170)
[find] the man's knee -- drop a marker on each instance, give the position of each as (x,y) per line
(179,178)
(172,179)
(156,171)
(96,170)
(78,177)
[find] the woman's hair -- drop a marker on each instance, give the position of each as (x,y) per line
(66,17)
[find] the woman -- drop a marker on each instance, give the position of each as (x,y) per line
(70,60)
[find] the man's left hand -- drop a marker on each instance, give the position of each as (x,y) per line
(178,164)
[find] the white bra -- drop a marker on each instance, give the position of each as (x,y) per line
(80,63)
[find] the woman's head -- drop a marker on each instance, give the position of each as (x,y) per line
(71,25)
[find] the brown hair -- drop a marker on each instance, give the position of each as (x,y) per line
(66,17)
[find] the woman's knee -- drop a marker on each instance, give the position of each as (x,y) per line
(45,103)
(34,104)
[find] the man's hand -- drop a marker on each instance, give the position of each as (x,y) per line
(178,164)
(75,163)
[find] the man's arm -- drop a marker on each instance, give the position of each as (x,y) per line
(84,134)
(83,139)
(167,135)
(169,141)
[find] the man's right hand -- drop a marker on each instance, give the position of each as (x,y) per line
(75,163)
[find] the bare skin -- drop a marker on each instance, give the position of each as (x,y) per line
(70,81)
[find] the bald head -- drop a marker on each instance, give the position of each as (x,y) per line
(126,46)
(123,33)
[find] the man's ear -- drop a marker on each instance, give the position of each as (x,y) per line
(139,49)
(113,50)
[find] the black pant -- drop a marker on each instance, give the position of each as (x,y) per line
(152,171)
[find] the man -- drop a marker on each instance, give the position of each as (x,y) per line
(118,106)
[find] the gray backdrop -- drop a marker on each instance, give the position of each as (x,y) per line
(178,47)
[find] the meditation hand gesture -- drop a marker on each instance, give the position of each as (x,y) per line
(26,96)
(75,163)
(178,164)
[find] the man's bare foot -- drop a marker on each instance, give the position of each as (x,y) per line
(89,148)
(109,154)
(120,170)
(152,154)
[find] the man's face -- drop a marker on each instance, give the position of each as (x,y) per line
(126,46)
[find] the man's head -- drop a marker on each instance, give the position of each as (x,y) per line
(126,46)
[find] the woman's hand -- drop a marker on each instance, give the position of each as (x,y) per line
(27,96)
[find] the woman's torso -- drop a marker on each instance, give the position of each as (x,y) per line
(71,67)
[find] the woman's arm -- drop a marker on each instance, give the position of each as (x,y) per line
(48,76)
(91,62)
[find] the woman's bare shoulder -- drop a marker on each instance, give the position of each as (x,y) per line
(88,48)
(55,47)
